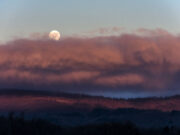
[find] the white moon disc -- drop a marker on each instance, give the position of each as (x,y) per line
(54,35)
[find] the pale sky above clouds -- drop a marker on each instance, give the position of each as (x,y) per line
(20,18)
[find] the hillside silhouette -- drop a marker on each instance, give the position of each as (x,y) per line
(12,125)
(66,109)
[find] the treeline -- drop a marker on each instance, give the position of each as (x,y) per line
(12,125)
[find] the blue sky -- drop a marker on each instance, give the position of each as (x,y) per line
(23,17)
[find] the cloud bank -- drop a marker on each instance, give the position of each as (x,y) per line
(127,62)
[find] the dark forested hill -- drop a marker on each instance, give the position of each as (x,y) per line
(75,109)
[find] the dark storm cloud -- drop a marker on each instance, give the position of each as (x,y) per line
(126,62)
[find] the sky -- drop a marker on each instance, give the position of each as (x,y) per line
(21,18)
(112,48)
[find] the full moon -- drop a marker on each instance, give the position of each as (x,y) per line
(54,35)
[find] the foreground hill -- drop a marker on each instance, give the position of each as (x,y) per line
(19,126)
(74,109)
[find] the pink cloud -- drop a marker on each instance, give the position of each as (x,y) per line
(116,80)
(141,62)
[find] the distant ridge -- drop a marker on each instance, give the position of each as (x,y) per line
(38,100)
(21,92)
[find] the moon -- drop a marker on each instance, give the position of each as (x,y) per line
(55,35)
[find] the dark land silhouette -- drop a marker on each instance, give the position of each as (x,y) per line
(12,125)
(52,113)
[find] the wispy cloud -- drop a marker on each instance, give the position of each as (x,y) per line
(106,31)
